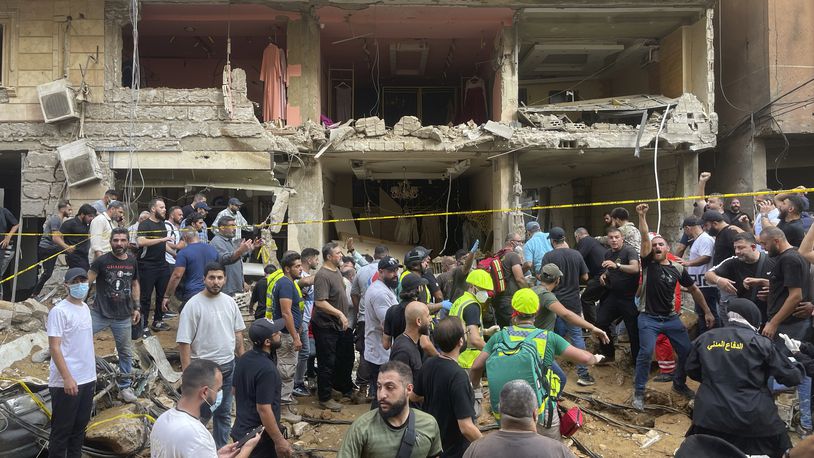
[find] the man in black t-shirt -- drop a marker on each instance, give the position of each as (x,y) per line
(406,346)
(513,273)
(791,206)
(724,234)
(152,263)
(593,253)
(74,233)
(621,278)
(729,276)
(257,388)
(657,313)
(574,270)
(116,304)
(788,286)
(444,390)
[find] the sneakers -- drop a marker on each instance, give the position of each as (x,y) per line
(331,405)
(663,378)
(170,314)
(638,401)
(301,391)
(586,380)
(127,395)
(288,414)
(684,390)
(160,326)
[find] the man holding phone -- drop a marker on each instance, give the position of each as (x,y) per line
(258,389)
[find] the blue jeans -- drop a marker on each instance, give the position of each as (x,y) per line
(222,417)
(121,330)
(302,357)
(564,329)
(650,326)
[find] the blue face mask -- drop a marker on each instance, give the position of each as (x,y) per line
(214,406)
(79,290)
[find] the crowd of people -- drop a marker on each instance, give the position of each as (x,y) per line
(368,328)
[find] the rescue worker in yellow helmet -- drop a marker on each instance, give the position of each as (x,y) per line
(526,303)
(468,308)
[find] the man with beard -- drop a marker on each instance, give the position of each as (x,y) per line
(48,248)
(152,263)
(394,425)
(738,218)
(257,388)
(417,261)
(620,279)
(100,229)
(231,211)
(619,217)
(406,347)
(73,237)
(211,327)
(227,243)
(116,305)
(700,261)
(656,310)
(791,208)
(378,299)
(724,234)
(444,390)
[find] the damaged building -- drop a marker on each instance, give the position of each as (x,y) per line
(344,109)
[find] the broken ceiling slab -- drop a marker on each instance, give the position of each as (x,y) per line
(632,102)
(499,129)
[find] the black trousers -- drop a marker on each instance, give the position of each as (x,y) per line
(363,371)
(47,267)
(773,446)
(613,306)
(335,356)
(152,278)
(69,417)
(593,292)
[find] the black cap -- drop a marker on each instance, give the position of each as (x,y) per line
(711,216)
(747,309)
(75,272)
(417,254)
(263,329)
(412,281)
(690,221)
(556,233)
(235,201)
(389,262)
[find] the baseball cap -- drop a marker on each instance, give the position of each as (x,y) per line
(389,262)
(202,205)
(550,272)
(235,201)
(75,272)
(532,226)
(417,254)
(556,233)
(690,221)
(711,216)
(263,329)
(412,281)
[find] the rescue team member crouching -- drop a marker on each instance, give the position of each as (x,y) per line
(733,402)
(510,341)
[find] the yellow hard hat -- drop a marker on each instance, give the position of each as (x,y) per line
(481,279)
(526,301)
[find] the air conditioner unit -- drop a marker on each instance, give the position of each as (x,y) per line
(57,101)
(79,163)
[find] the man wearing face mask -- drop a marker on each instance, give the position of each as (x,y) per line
(393,426)
(116,305)
(378,298)
(72,379)
(406,347)
(468,308)
(211,327)
(179,433)
(257,390)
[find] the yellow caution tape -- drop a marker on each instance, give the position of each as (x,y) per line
(39,262)
(30,393)
(120,417)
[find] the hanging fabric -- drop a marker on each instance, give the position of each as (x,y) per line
(273,74)
(344,102)
(474,106)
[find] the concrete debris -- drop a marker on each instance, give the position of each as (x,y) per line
(31,325)
(5,318)
(21,348)
(371,127)
(299,428)
(123,436)
(41,356)
(38,310)
(406,126)
(429,132)
(499,129)
(20,311)
(341,133)
(153,347)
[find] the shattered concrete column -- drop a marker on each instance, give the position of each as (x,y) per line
(306,205)
(502,181)
(303,71)
(506,87)
(745,159)
(117,15)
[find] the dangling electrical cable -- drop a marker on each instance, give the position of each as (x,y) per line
(656,167)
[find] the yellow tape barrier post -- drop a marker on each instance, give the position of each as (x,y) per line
(455,213)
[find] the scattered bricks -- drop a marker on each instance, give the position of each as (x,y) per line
(341,133)
(20,311)
(430,132)
(406,126)
(371,127)
(501,130)
(39,311)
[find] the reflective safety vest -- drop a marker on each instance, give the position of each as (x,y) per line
(468,356)
(272,281)
(427,299)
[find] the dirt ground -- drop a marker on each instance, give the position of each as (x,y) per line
(613,384)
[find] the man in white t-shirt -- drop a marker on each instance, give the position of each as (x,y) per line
(700,261)
(211,327)
(179,433)
(72,378)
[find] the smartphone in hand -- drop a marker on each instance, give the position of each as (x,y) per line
(249,435)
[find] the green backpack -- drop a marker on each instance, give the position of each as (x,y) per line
(519,360)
